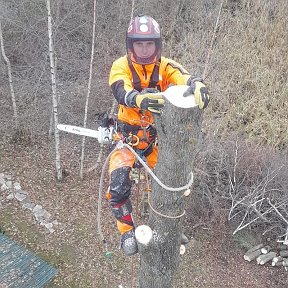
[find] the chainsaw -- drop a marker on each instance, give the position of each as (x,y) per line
(104,135)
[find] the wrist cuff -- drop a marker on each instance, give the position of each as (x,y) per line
(193,79)
(130,98)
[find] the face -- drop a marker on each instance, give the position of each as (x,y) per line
(144,49)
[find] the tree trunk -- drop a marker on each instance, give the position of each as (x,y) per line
(178,134)
(88,89)
(6,59)
(54,93)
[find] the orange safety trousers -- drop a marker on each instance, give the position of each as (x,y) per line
(121,162)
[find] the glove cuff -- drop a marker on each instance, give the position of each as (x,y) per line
(130,98)
(193,79)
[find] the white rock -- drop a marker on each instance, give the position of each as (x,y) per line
(49,225)
(46,214)
(20,196)
(55,222)
(2,180)
(38,218)
(182,249)
(41,214)
(2,175)
(9,184)
(43,223)
(51,230)
(4,187)
(37,208)
(10,196)
(17,186)
(29,206)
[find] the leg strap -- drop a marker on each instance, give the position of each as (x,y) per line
(122,209)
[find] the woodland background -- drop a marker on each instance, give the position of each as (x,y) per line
(241,167)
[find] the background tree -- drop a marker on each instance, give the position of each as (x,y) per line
(54,93)
(88,88)
(6,59)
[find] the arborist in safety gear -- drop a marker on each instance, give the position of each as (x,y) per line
(133,80)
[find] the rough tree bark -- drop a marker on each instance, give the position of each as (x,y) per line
(178,134)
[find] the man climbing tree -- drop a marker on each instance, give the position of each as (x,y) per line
(134,78)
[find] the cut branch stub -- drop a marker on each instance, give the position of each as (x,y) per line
(182,249)
(266,249)
(144,235)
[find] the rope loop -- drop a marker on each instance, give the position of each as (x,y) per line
(172,189)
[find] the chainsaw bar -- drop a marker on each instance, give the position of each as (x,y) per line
(79,130)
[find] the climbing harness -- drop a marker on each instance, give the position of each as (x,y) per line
(153,80)
(108,135)
(121,145)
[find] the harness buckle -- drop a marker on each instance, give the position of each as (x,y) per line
(132,140)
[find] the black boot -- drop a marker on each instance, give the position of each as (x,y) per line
(128,243)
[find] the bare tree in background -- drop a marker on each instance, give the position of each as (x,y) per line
(88,88)
(6,59)
(54,93)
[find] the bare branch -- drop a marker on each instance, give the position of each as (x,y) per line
(277,211)
(89,87)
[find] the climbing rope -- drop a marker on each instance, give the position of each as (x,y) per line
(172,189)
(107,253)
(121,145)
(163,215)
(152,208)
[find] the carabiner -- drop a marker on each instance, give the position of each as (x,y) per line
(132,140)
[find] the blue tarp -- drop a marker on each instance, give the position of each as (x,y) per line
(20,268)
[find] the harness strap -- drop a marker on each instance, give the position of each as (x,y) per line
(136,78)
(155,76)
(154,79)
(128,129)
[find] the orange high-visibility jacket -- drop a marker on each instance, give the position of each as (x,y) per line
(121,83)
